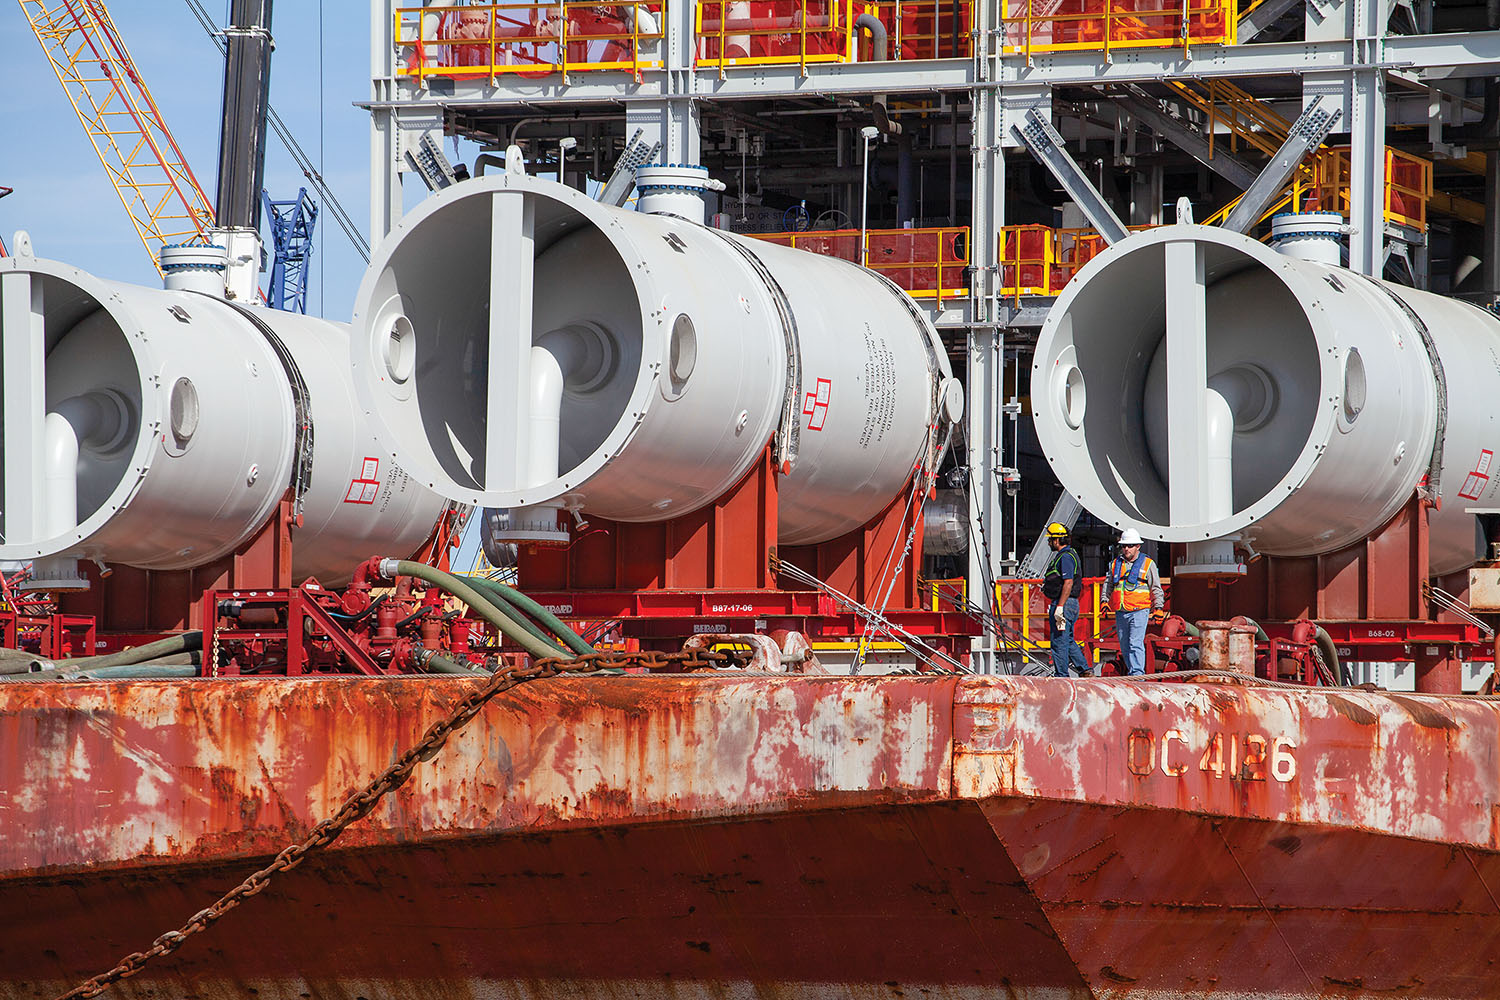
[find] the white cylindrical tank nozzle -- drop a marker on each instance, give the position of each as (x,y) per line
(673,189)
(195,267)
(1310,236)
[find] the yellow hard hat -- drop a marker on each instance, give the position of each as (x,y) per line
(1057,530)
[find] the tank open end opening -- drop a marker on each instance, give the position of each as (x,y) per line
(1188,372)
(463,302)
(67,451)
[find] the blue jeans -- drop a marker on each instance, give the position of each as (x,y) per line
(1065,649)
(1130,627)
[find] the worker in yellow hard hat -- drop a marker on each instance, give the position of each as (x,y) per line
(1134,589)
(1061,584)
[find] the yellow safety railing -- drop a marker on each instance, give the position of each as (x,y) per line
(773,32)
(1023,610)
(494,40)
(1027,260)
(1245,119)
(946,595)
(1408,185)
(923,29)
(1032,26)
(926,263)
(1293,198)
(1040,260)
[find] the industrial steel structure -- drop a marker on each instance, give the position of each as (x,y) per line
(1220,269)
(1014,142)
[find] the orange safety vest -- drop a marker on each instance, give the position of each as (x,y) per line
(1128,588)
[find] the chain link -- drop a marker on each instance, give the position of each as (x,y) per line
(362,803)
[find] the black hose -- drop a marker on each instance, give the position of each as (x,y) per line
(367,612)
(420,612)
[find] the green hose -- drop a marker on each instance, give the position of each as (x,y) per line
(182,643)
(1260,633)
(439,664)
(503,603)
(120,671)
(521,602)
(479,604)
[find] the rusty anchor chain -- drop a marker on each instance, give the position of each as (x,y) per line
(361,803)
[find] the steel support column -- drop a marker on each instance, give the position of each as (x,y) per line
(673,120)
(385,174)
(986,384)
(1490,255)
(1367,139)
(674,123)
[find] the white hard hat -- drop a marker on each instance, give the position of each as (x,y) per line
(1130,537)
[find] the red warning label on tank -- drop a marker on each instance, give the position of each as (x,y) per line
(1475,483)
(364,489)
(815,406)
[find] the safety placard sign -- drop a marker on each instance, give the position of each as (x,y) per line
(815,407)
(1477,480)
(364,489)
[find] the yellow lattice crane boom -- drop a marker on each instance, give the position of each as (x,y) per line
(150,174)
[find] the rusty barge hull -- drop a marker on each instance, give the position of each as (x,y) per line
(723,836)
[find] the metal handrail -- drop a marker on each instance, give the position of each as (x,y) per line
(720,23)
(1117,24)
(492,40)
(945,268)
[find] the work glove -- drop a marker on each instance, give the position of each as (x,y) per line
(1159,615)
(1058,619)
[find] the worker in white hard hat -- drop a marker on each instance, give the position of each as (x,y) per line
(1134,589)
(1061,584)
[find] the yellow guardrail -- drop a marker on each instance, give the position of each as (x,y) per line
(923,29)
(773,32)
(1408,185)
(495,40)
(1023,610)
(1033,26)
(926,263)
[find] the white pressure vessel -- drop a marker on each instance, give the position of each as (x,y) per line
(1195,384)
(159,429)
(518,345)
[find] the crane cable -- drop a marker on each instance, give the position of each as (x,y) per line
(284,134)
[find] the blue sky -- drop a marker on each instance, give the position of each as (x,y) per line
(63,198)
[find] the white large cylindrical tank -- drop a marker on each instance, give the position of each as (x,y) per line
(159,429)
(519,345)
(1317,400)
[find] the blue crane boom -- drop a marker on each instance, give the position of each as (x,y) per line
(291,224)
